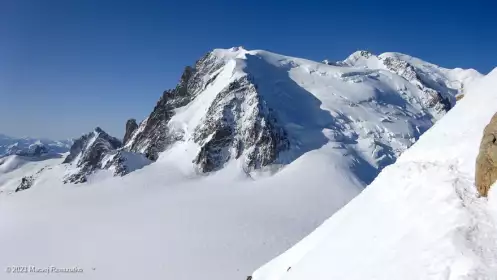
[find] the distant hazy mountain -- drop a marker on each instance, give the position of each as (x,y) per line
(31,146)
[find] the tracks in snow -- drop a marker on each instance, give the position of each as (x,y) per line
(480,238)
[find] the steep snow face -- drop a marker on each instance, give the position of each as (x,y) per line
(420,218)
(262,109)
(27,146)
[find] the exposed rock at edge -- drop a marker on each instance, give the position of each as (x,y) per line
(486,162)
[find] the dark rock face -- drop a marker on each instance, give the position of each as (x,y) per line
(101,143)
(89,150)
(154,135)
(229,131)
(131,127)
(26,183)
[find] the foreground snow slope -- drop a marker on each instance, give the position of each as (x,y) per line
(159,223)
(419,219)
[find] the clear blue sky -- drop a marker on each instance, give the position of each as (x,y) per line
(67,66)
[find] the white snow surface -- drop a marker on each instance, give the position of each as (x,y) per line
(14,167)
(165,221)
(419,219)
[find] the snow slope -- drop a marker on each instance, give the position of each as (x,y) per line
(450,78)
(168,221)
(159,223)
(14,167)
(419,219)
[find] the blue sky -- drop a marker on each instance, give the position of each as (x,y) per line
(67,66)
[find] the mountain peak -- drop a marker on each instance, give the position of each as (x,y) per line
(236,49)
(98,130)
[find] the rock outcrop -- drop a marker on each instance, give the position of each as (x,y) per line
(229,131)
(88,152)
(486,162)
(26,183)
(131,127)
(99,151)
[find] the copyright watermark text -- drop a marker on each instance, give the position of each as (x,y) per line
(29,269)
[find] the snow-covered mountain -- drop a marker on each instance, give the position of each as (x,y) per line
(31,146)
(421,218)
(261,109)
(286,142)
